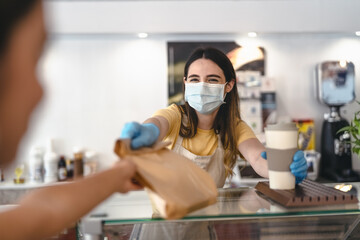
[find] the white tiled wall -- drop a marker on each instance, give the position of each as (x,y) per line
(95,84)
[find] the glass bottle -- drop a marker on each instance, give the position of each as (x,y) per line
(78,163)
(62,172)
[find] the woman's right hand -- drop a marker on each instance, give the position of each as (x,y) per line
(141,135)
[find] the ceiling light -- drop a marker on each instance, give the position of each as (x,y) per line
(252,34)
(357,33)
(343,63)
(142,35)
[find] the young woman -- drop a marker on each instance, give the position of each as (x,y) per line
(208,128)
(45,212)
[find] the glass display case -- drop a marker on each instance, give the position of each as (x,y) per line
(240,213)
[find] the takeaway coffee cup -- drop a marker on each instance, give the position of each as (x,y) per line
(281,145)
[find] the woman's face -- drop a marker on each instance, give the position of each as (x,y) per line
(19,89)
(205,70)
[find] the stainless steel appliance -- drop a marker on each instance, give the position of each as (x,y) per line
(335,88)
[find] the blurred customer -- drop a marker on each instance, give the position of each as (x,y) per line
(47,211)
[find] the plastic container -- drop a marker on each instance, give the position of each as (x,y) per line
(90,163)
(36,165)
(51,164)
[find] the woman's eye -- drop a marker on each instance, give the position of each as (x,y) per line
(194,80)
(213,80)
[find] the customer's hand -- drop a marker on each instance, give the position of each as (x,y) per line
(126,173)
(141,135)
(298,167)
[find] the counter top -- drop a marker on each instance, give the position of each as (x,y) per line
(27,185)
(12,185)
(233,204)
(10,192)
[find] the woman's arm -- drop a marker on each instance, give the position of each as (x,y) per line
(251,149)
(47,211)
(161,123)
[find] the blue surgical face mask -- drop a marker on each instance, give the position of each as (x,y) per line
(204,97)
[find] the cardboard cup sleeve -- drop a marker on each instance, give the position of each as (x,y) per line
(279,161)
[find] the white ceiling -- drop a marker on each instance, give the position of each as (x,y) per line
(203,16)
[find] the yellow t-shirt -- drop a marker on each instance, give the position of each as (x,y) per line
(205,141)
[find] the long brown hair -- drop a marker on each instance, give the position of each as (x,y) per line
(228,115)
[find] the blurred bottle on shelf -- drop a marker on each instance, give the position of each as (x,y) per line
(70,168)
(78,162)
(51,164)
(36,164)
(62,172)
(2,175)
(90,162)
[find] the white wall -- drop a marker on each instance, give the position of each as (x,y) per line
(92,87)
(94,83)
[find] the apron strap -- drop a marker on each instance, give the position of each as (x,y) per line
(178,143)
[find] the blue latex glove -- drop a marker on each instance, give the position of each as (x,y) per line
(141,135)
(298,167)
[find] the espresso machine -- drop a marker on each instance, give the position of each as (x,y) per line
(335,88)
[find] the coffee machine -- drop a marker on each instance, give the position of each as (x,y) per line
(335,88)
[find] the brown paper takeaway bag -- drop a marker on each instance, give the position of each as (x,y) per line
(176,185)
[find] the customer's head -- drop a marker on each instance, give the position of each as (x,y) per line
(22,36)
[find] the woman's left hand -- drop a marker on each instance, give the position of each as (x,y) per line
(299,166)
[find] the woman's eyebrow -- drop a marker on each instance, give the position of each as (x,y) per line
(213,75)
(193,75)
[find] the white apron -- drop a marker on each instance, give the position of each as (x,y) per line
(189,230)
(202,230)
(213,164)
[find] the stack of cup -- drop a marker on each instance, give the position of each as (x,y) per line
(281,145)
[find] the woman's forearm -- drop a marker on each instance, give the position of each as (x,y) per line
(161,123)
(260,166)
(251,149)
